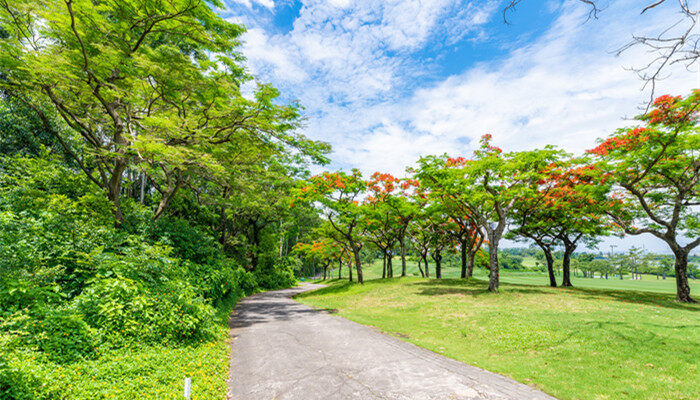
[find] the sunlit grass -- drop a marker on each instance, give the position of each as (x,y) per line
(572,343)
(648,283)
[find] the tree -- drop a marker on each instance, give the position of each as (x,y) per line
(323,251)
(654,170)
(337,195)
(488,186)
(439,229)
(393,197)
(147,85)
(420,236)
(576,202)
(379,229)
(435,175)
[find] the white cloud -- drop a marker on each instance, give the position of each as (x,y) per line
(358,52)
(353,66)
(269,4)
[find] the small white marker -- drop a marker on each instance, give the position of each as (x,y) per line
(188,388)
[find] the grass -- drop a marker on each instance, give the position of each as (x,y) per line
(648,283)
(578,343)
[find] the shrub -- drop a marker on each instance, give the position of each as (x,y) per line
(123,310)
(281,276)
(187,241)
(64,336)
(246,281)
(13,384)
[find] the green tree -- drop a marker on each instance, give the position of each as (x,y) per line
(655,170)
(148,85)
(488,186)
(337,196)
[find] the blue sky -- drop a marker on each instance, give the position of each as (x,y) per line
(388,81)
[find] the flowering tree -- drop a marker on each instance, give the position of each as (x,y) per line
(436,175)
(488,186)
(654,170)
(337,196)
(379,229)
(418,231)
(324,251)
(439,228)
(564,209)
(391,201)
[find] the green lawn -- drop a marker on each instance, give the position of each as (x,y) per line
(572,343)
(648,283)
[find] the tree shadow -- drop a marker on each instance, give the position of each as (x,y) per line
(476,287)
(265,309)
(633,296)
(469,287)
(335,287)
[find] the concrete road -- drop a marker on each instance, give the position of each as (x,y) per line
(281,349)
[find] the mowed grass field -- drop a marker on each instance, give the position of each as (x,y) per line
(648,283)
(578,343)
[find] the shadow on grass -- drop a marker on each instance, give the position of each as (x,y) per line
(634,297)
(469,287)
(335,286)
(476,287)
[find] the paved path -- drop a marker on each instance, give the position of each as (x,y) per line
(281,349)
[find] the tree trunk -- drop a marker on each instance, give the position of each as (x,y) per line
(681,267)
(403,257)
(350,271)
(340,269)
(550,262)
(438,264)
(358,263)
(422,274)
(493,266)
(424,256)
(389,265)
(143,188)
(470,263)
(168,194)
(463,251)
(383,264)
(114,190)
(565,267)
(550,267)
(325,269)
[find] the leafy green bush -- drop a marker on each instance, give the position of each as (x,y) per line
(247,281)
(187,241)
(14,385)
(281,276)
(64,336)
(125,311)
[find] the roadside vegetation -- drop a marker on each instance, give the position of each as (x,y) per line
(573,343)
(141,195)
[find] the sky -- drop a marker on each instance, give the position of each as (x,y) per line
(386,82)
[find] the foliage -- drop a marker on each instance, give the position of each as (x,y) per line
(654,170)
